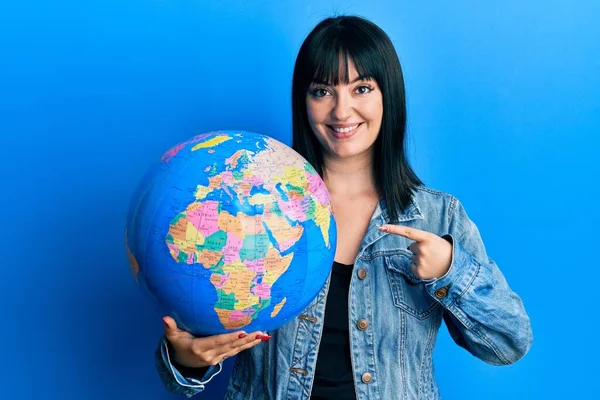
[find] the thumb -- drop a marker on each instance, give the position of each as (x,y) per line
(171,328)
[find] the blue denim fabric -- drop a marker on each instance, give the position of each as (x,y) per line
(392,357)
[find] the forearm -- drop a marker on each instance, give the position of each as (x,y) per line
(179,379)
(482,313)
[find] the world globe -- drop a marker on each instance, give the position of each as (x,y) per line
(231,230)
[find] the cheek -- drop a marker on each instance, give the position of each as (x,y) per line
(311,112)
(316,111)
(313,119)
(375,112)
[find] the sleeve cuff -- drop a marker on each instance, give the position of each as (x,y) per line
(455,282)
(188,381)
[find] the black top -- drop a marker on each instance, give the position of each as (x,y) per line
(333,375)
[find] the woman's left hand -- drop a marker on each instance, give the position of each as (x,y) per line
(432,255)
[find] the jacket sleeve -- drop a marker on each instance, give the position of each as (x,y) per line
(482,313)
(174,380)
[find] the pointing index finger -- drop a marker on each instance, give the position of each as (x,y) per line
(411,233)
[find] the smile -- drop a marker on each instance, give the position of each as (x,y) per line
(343,131)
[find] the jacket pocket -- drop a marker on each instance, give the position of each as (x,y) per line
(408,291)
(239,376)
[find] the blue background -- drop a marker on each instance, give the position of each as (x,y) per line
(504,112)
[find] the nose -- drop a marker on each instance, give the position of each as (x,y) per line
(342,108)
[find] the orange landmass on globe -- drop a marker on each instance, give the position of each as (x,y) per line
(233,319)
(285,235)
(251,224)
(278,308)
(230,224)
(208,258)
(275,265)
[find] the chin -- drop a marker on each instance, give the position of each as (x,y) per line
(348,152)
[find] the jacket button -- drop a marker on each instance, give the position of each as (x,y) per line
(362,324)
(441,292)
(367,377)
(362,274)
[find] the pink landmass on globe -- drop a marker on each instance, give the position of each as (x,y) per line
(257,266)
(231,251)
(262,290)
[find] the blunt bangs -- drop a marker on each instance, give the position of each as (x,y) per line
(330,52)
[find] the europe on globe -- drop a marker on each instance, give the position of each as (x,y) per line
(231,230)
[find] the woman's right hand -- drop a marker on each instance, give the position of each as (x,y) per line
(198,352)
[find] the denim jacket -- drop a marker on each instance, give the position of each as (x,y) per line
(394,317)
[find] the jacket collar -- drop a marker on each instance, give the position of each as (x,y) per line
(381,214)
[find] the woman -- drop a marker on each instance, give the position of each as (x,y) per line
(407,256)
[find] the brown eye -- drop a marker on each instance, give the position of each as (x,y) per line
(319,92)
(363,89)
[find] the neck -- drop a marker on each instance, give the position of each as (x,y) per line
(352,176)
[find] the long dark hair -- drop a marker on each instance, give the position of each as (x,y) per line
(373,54)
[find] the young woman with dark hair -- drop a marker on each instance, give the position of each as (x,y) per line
(407,256)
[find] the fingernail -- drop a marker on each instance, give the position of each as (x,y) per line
(258,337)
(265,338)
(242,335)
(383,228)
(165,322)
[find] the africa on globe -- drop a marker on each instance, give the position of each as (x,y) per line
(231,230)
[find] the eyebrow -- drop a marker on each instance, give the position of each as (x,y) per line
(359,78)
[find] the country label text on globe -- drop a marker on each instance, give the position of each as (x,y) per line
(231,230)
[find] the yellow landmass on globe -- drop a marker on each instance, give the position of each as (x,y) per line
(322,220)
(201,192)
(260,199)
(211,142)
(294,176)
(297,177)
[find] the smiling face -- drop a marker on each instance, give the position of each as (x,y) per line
(324,97)
(346,118)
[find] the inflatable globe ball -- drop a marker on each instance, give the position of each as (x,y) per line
(231,231)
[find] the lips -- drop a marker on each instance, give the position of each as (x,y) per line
(343,131)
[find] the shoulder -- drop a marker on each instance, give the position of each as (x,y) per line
(427,195)
(432,201)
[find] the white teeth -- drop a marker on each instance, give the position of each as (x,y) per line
(345,130)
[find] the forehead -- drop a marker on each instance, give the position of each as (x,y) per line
(340,69)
